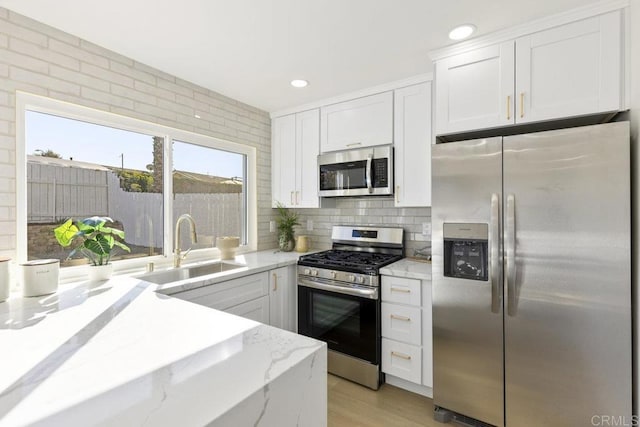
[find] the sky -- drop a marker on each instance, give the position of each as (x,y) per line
(106,146)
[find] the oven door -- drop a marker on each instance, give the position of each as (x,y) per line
(349,324)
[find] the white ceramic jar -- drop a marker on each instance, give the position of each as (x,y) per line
(39,277)
(5,283)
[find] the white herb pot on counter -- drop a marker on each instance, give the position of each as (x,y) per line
(39,277)
(227,246)
(99,273)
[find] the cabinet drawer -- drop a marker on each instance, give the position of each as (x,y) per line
(402,323)
(230,293)
(401,290)
(402,360)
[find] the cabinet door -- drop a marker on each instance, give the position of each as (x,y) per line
(362,122)
(474,90)
(427,335)
(257,309)
(570,70)
(412,145)
(283,160)
(307,149)
(279,298)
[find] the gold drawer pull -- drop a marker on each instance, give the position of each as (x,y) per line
(403,318)
(401,355)
(509,107)
(404,291)
(521,104)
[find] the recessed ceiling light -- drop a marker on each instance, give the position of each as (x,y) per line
(462,31)
(299,83)
(197,116)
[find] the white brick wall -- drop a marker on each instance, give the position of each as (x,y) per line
(40,59)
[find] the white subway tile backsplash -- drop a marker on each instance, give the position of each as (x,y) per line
(42,60)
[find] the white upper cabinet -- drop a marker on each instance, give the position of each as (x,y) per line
(412,144)
(307,150)
(569,70)
(294,159)
(362,122)
(474,90)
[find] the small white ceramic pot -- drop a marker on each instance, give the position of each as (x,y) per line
(39,277)
(5,283)
(98,273)
(227,246)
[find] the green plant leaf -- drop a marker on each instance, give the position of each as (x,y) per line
(122,246)
(65,233)
(98,245)
(110,230)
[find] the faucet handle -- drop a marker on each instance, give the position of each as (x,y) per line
(185,253)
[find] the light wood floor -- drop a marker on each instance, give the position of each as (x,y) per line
(353,405)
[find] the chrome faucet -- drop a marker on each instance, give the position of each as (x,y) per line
(177,255)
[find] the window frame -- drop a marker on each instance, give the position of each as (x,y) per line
(30,102)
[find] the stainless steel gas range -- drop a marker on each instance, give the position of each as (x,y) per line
(339,298)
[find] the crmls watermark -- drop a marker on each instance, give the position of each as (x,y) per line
(615,421)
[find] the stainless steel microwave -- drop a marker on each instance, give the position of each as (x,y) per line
(361,172)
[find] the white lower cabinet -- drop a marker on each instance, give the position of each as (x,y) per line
(257,309)
(268,297)
(406,333)
(282,298)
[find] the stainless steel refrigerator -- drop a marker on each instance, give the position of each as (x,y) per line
(532,277)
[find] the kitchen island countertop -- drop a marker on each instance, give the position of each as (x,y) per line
(119,353)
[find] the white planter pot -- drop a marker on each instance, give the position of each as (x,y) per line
(99,273)
(39,277)
(227,246)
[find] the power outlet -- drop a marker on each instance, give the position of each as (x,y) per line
(426,228)
(309,225)
(272,226)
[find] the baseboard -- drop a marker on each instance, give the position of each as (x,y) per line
(409,386)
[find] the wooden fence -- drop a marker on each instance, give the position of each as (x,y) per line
(56,193)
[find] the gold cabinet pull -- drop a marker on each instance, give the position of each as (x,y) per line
(291,198)
(509,107)
(401,355)
(403,318)
(404,291)
(521,104)
(397,193)
(275,282)
(297,198)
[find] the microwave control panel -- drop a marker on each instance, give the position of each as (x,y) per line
(380,174)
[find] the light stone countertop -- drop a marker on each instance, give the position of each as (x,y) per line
(409,269)
(119,353)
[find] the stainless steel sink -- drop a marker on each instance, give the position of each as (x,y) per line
(189,272)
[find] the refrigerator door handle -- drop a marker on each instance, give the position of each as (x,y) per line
(495,253)
(510,247)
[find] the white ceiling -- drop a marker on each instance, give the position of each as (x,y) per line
(250,49)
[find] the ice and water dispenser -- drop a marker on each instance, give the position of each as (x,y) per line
(466,250)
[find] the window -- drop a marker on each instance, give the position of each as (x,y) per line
(77,170)
(79,162)
(209,185)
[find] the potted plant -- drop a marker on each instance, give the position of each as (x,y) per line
(285,221)
(94,240)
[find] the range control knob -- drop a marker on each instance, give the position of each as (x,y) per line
(351,278)
(314,272)
(307,271)
(333,274)
(360,279)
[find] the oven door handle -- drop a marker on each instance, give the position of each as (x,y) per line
(371,293)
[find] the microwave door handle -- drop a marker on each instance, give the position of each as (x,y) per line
(368,172)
